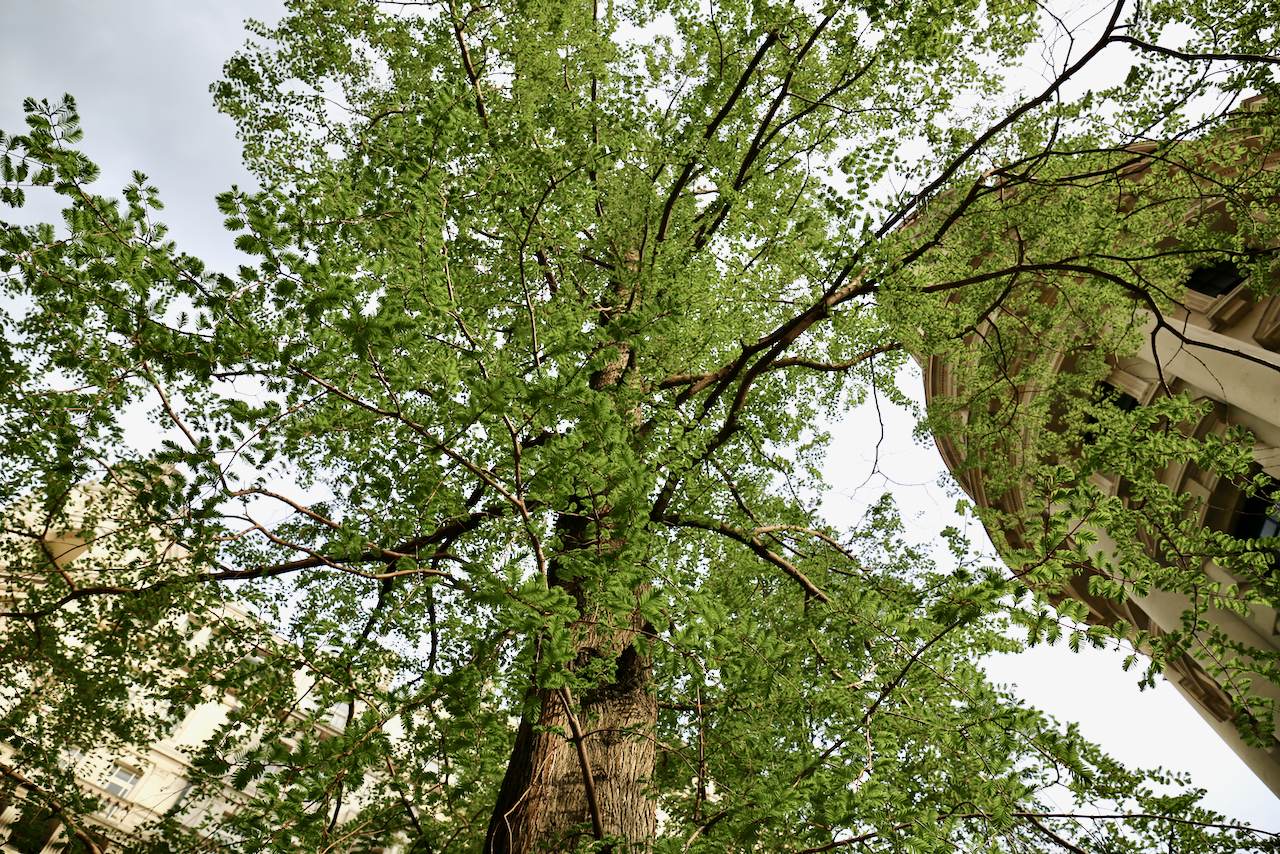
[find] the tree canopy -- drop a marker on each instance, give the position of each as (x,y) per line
(511,436)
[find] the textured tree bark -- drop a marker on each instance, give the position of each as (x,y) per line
(545,802)
(553,798)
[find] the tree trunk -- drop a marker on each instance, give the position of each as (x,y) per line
(592,776)
(556,797)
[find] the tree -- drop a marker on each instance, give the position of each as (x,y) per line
(549,302)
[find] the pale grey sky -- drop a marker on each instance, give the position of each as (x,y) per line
(140,72)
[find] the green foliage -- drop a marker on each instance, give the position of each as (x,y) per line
(1061,283)
(548,305)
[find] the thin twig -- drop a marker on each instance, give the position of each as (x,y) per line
(588,782)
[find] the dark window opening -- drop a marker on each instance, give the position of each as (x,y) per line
(1260,519)
(1121,400)
(1216,280)
(1107,393)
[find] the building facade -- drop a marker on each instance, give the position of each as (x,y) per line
(135,786)
(1219,345)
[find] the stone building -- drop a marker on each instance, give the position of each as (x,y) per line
(1221,346)
(134,785)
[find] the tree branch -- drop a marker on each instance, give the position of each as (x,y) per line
(588,782)
(697,382)
(1177,54)
(1004,123)
(752,542)
(87,840)
(854,840)
(1053,837)
(678,187)
(470,69)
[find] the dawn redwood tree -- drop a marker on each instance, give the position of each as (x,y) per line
(513,431)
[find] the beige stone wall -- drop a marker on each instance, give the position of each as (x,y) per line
(1228,353)
(141,783)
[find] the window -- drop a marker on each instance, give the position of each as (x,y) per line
(120,784)
(1107,393)
(1122,400)
(182,796)
(1259,518)
(177,719)
(122,781)
(1216,280)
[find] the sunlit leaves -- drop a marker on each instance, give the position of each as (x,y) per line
(540,325)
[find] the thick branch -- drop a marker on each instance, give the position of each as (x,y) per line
(752,542)
(678,187)
(892,222)
(470,68)
(1177,54)
(701,381)
(1053,837)
(1141,293)
(85,839)
(409,548)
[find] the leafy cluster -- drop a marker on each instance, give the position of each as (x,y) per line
(1068,270)
(489,495)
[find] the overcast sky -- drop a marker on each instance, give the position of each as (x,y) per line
(140,72)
